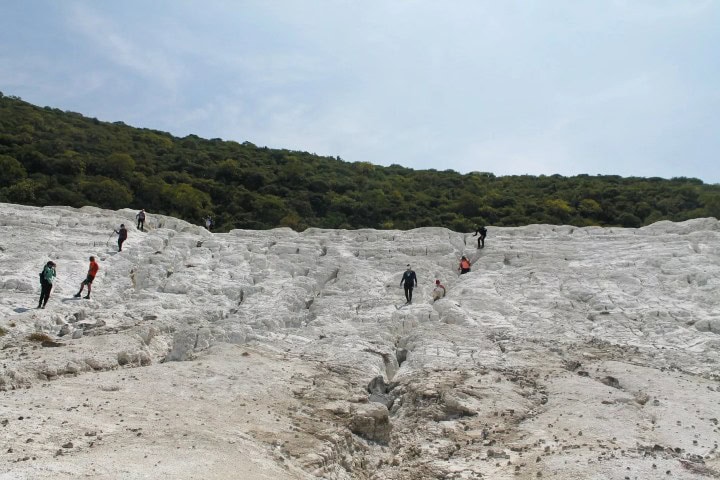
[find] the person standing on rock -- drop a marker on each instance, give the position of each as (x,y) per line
(122,236)
(141,220)
(92,271)
(408,282)
(46,283)
(439,291)
(482,231)
(464,265)
(208,223)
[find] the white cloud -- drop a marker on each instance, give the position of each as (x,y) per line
(111,42)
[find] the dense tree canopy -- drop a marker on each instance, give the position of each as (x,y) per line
(51,157)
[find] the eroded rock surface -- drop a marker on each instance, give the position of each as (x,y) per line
(566,353)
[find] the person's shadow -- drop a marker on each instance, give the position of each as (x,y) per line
(21,310)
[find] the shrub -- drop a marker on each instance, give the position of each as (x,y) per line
(39,337)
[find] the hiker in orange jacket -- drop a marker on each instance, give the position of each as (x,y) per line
(464,265)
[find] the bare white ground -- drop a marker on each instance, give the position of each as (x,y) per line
(566,353)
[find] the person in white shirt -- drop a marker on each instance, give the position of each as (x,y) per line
(439,291)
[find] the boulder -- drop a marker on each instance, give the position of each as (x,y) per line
(372,422)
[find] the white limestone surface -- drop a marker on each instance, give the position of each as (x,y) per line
(566,353)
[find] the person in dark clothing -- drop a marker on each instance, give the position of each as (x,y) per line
(408,281)
(92,272)
(141,220)
(482,231)
(46,283)
(122,236)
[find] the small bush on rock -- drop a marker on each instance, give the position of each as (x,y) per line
(39,337)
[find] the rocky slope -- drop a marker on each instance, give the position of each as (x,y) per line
(566,353)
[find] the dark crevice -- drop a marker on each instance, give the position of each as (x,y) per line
(401,355)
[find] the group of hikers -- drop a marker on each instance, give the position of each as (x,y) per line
(122,232)
(409,279)
(49,272)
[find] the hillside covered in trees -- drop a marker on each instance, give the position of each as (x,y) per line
(52,157)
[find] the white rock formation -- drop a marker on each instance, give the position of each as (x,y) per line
(566,353)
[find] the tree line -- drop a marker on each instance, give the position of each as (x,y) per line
(54,157)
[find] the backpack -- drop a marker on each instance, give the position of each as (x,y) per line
(42,277)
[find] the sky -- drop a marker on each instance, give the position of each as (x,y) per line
(512,87)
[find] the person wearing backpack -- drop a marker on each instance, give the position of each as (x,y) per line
(46,283)
(92,272)
(122,236)
(141,220)
(408,281)
(464,265)
(482,231)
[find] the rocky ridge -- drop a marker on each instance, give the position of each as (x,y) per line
(566,353)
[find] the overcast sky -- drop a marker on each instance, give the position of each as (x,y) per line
(626,87)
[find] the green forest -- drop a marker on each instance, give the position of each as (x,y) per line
(54,157)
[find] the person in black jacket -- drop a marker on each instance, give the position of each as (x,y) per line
(141,220)
(481,239)
(408,281)
(122,236)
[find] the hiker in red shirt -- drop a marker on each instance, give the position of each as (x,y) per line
(92,271)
